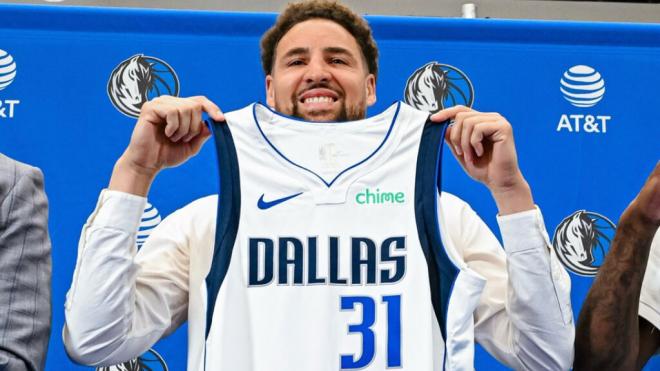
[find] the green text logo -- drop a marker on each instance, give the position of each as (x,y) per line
(368,197)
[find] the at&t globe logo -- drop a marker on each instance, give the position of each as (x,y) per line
(7,69)
(139,79)
(583,87)
(150,219)
(7,76)
(436,86)
(582,240)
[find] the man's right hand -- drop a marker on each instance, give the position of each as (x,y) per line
(643,212)
(168,132)
(647,203)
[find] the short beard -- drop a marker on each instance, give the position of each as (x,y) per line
(344,114)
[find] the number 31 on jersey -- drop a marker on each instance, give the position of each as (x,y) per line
(364,328)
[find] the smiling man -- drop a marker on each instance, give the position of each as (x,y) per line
(326,78)
(335,248)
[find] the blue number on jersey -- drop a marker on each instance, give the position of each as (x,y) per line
(393,330)
(368,337)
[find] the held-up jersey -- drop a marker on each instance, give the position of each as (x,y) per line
(319,264)
(329,252)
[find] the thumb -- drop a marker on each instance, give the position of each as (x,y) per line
(197,142)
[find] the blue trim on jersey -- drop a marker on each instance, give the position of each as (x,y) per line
(298,119)
(389,131)
(229,206)
(438,177)
(442,271)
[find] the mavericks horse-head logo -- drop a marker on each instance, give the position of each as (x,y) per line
(436,86)
(582,240)
(149,361)
(139,79)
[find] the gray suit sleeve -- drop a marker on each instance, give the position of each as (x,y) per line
(25,269)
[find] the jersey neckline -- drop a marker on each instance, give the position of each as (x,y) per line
(396,107)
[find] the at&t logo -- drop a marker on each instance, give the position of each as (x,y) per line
(7,76)
(582,240)
(583,87)
(150,220)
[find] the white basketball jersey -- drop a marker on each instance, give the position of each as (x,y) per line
(328,251)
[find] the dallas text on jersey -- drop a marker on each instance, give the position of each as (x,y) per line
(386,267)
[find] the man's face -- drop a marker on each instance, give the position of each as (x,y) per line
(319,74)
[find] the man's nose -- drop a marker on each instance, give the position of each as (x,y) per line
(317,71)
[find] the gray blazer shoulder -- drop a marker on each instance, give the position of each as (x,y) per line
(25,267)
(12,171)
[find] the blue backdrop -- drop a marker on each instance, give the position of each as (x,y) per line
(582,98)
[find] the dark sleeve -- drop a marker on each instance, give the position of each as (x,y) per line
(25,270)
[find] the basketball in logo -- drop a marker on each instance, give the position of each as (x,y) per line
(582,240)
(436,86)
(139,79)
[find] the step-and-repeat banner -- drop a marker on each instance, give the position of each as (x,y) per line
(582,98)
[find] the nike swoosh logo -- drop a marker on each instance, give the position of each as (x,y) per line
(263,205)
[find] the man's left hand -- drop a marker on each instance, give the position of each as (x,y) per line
(483,144)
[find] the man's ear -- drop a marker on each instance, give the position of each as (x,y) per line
(371,89)
(270,91)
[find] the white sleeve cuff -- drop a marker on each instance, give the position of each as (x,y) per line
(649,300)
(650,314)
(523,230)
(118,210)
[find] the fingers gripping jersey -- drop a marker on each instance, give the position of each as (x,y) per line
(328,251)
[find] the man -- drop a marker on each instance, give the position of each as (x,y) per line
(610,334)
(24,267)
(320,62)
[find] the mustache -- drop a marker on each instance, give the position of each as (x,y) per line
(319,85)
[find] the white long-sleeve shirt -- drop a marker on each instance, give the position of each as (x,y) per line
(122,301)
(649,300)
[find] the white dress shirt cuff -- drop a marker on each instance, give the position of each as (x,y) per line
(118,210)
(523,230)
(649,301)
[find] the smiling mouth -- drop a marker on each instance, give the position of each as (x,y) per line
(318,100)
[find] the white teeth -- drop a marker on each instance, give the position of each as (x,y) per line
(318,100)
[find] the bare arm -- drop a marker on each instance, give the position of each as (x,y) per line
(610,335)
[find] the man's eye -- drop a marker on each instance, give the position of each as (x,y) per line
(296,62)
(337,61)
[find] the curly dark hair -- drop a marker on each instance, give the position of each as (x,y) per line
(331,10)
